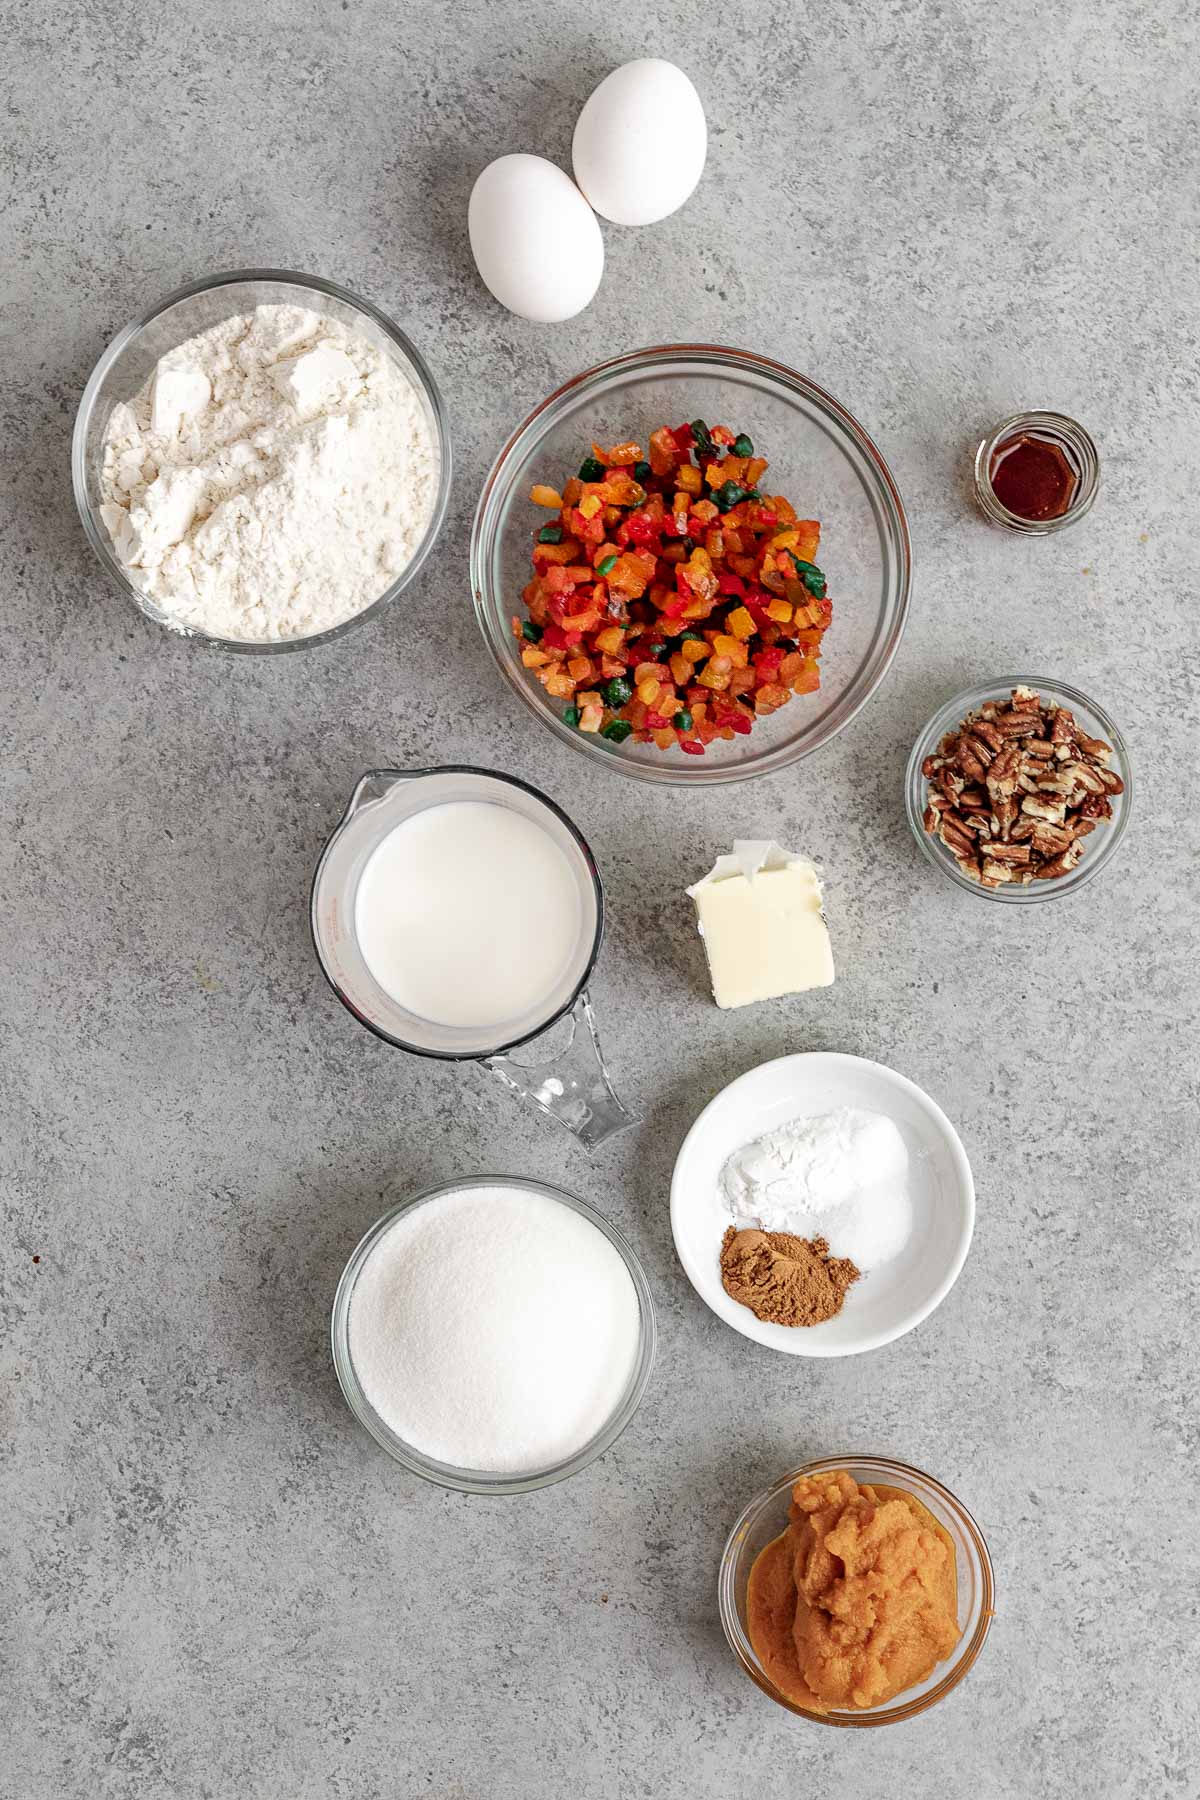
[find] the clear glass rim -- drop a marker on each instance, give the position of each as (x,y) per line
(477,1481)
(950,714)
(491,775)
(1058,425)
(894,1474)
(665,356)
(98,537)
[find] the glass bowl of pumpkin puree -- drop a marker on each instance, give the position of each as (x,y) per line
(856,1591)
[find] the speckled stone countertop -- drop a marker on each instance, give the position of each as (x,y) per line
(214,1584)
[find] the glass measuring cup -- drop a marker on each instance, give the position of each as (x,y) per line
(570,1081)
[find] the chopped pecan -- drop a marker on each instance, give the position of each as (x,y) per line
(1084,776)
(1054,810)
(1005,813)
(1096,748)
(971,764)
(1010,853)
(1019,724)
(1061,865)
(1050,840)
(956,836)
(995,872)
(1016,789)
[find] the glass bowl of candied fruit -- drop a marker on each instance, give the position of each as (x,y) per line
(693,563)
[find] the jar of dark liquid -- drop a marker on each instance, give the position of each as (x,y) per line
(1036,472)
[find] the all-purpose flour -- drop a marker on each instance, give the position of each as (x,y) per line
(273,477)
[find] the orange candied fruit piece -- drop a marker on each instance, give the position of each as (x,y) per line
(664,453)
(619,454)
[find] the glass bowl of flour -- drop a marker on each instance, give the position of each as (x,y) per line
(261,461)
(494,1335)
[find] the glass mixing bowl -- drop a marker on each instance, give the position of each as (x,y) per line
(820,457)
(482,1481)
(1101,844)
(130,359)
(766,1517)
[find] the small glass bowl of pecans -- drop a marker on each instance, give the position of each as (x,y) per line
(1019,789)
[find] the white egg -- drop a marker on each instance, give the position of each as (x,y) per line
(535,240)
(640,142)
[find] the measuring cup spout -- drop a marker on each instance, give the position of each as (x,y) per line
(375,784)
(573,1085)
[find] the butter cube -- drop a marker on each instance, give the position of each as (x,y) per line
(759,913)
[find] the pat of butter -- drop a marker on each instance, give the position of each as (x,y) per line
(764,933)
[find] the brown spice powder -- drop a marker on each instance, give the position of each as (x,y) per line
(785,1280)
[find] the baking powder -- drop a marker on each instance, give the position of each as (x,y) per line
(840,1175)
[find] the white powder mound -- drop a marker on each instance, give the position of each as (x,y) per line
(840,1175)
(273,477)
(494,1329)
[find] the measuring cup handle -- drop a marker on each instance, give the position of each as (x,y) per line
(573,1086)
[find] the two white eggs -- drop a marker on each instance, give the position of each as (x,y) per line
(638,152)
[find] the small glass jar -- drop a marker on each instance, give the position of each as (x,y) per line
(1064,435)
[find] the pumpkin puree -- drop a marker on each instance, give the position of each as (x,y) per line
(857,1600)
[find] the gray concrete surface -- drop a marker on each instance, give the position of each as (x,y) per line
(214,1584)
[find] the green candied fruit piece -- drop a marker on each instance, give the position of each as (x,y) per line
(616,731)
(591,470)
(616,693)
(810,575)
(728,495)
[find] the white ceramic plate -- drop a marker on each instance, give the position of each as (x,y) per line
(894,1298)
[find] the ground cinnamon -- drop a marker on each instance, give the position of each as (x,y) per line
(784,1280)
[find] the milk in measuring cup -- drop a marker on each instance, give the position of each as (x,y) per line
(468,914)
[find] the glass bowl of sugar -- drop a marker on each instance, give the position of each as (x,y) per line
(494,1335)
(217,444)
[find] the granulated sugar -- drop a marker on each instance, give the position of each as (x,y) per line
(495,1329)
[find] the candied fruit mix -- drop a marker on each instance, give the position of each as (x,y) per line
(672,601)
